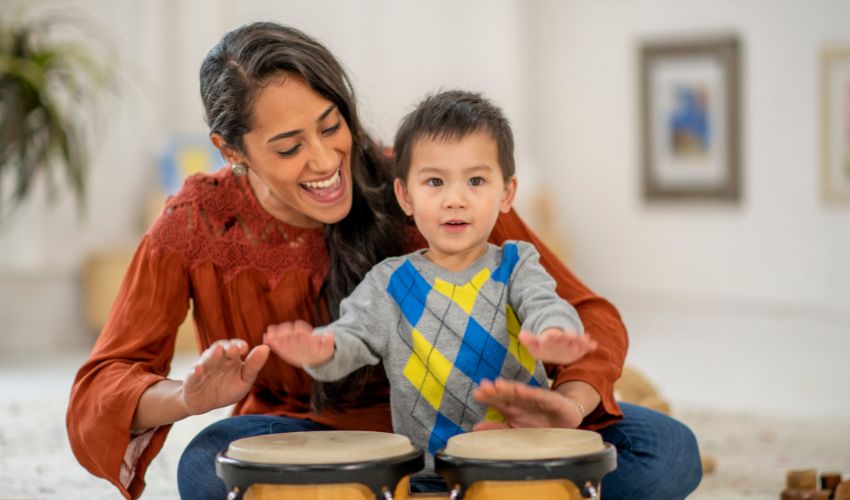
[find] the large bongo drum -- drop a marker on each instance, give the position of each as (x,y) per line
(320,465)
(525,463)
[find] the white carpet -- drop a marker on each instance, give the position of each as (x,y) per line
(752,452)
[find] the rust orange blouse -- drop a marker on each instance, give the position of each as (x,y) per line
(244,270)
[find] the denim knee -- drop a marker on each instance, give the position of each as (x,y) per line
(689,465)
(657,457)
(196,477)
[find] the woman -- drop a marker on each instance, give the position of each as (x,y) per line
(284,234)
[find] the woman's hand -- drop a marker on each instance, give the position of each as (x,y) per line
(526,406)
(220,377)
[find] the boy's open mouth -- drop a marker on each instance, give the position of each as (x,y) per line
(455,225)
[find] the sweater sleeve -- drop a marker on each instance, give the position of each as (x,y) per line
(360,333)
(133,351)
(533,296)
(601,368)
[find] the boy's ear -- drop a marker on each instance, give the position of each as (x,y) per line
(403,197)
(509,195)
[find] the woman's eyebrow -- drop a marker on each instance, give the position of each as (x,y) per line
(326,112)
(290,133)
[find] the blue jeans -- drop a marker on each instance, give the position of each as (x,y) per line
(657,456)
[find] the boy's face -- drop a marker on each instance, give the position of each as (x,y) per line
(455,190)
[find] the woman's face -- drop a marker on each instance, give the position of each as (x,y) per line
(298,154)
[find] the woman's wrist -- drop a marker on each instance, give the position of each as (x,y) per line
(161,403)
(582,394)
(578,405)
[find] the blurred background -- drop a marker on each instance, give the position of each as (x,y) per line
(733,306)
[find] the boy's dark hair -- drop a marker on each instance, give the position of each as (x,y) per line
(453,115)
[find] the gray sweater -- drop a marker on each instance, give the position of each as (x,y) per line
(439,333)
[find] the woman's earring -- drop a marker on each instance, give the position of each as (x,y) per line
(239,169)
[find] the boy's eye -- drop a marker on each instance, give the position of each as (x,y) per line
(290,152)
(434,182)
(476,181)
(332,129)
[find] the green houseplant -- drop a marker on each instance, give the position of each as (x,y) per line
(53,81)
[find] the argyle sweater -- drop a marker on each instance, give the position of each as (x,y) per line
(439,333)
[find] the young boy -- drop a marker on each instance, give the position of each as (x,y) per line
(462,310)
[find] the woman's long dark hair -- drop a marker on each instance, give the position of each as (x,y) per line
(232,75)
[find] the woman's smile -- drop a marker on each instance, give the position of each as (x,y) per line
(326,190)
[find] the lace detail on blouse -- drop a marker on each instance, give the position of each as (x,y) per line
(216,218)
(137,445)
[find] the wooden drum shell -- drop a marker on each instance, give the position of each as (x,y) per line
(365,480)
(573,474)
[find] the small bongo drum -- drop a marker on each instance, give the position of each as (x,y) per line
(319,465)
(525,463)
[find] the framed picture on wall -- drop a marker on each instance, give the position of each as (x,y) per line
(836,125)
(690,119)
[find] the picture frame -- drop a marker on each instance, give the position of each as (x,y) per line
(690,119)
(835,135)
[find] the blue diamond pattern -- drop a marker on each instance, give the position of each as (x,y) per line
(409,289)
(510,257)
(440,434)
(480,355)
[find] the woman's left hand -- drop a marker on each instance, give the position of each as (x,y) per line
(526,406)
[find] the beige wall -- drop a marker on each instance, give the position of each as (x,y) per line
(754,297)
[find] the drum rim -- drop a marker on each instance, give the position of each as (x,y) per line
(385,472)
(588,467)
(412,454)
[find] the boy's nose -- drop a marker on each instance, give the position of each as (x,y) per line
(455,198)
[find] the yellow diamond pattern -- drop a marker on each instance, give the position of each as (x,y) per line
(516,349)
(463,295)
(493,415)
(430,379)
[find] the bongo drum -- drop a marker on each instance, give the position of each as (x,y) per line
(525,463)
(320,465)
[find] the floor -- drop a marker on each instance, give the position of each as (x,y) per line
(752,452)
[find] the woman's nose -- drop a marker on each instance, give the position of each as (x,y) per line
(324,158)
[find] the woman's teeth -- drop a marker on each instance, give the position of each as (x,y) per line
(323,184)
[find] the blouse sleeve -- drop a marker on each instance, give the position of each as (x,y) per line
(133,351)
(601,320)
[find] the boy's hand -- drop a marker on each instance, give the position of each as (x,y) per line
(296,344)
(557,346)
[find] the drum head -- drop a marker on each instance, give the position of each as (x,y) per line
(525,455)
(524,444)
(377,460)
(320,447)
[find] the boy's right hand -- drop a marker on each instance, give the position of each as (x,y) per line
(295,343)
(557,346)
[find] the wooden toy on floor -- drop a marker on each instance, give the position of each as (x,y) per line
(802,484)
